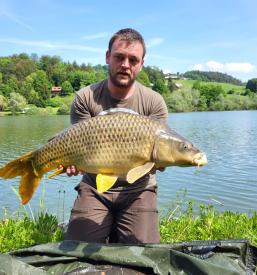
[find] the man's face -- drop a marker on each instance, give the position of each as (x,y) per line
(125,61)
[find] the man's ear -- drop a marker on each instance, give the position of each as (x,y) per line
(107,57)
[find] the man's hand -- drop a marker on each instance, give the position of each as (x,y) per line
(153,171)
(72,171)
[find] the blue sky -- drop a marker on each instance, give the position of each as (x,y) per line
(181,35)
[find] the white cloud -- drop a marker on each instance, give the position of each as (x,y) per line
(96,36)
(198,67)
(214,65)
(54,46)
(240,67)
(154,42)
(233,67)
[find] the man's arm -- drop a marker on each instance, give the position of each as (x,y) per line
(79,111)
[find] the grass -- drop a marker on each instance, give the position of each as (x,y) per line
(188,84)
(24,232)
(186,222)
(23,228)
(192,223)
(206,223)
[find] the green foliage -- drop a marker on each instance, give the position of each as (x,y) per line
(252,85)
(33,77)
(67,88)
(142,77)
(185,100)
(211,93)
(79,79)
(160,86)
(207,224)
(34,110)
(41,84)
(17,103)
(55,101)
(212,76)
(19,233)
(64,110)
(3,103)
(58,101)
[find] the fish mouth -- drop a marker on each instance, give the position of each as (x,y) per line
(200,159)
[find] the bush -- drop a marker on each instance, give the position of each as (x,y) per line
(33,110)
(54,101)
(16,234)
(63,110)
(207,224)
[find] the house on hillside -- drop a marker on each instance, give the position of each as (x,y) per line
(171,76)
(56,90)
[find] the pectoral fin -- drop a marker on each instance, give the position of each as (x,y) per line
(138,172)
(104,182)
(57,172)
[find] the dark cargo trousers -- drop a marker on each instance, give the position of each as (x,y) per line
(119,217)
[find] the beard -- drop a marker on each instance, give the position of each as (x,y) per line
(116,79)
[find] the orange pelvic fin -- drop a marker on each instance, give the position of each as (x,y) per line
(30,178)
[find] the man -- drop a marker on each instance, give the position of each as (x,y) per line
(126,213)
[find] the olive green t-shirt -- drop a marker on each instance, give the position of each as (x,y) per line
(95,98)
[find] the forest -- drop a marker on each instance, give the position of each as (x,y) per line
(27,85)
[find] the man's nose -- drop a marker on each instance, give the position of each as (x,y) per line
(125,63)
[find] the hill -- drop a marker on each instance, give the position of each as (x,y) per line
(227,87)
(212,76)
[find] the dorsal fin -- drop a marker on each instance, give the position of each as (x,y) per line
(117,110)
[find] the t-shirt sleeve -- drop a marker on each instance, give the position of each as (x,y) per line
(159,108)
(79,108)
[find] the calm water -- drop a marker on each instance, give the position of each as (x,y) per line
(229,181)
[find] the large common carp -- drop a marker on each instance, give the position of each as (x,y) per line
(111,145)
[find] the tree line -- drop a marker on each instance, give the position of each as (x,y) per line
(28,79)
(212,76)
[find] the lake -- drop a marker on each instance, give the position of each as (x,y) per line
(229,181)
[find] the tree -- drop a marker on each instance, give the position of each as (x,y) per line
(79,79)
(160,86)
(58,74)
(5,90)
(23,68)
(66,88)
(64,110)
(142,77)
(252,85)
(49,64)
(88,78)
(41,84)
(17,103)
(212,76)
(211,93)
(3,103)
(36,88)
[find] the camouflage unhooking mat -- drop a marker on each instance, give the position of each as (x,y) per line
(73,257)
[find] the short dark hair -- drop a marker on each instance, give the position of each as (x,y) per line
(129,35)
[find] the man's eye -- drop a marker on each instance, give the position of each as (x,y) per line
(133,61)
(119,57)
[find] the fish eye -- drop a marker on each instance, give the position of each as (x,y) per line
(186,146)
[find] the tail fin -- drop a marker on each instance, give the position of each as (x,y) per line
(23,166)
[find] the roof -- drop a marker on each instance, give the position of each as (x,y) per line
(56,89)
